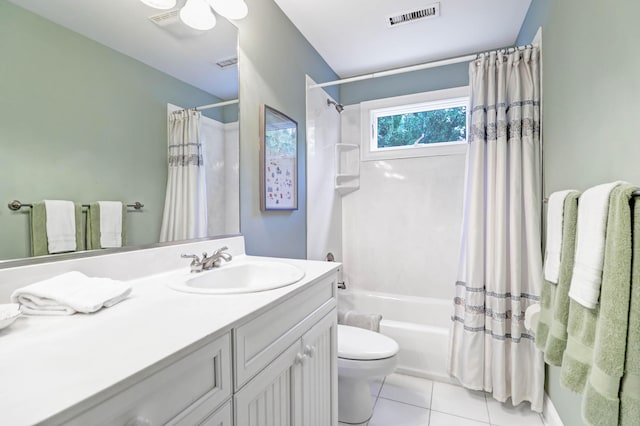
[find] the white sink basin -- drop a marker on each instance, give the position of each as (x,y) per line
(233,278)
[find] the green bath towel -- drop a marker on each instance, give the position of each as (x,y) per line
(600,405)
(581,333)
(556,340)
(547,299)
(630,390)
(93,226)
(38,225)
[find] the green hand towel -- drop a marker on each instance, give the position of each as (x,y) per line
(80,244)
(93,226)
(630,391)
(556,341)
(38,225)
(600,404)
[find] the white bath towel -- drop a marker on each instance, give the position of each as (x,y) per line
(61,225)
(110,224)
(593,208)
(69,293)
(555,215)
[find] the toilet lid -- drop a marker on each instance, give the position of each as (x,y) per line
(358,343)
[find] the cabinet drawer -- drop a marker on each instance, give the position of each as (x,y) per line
(262,339)
(222,417)
(193,387)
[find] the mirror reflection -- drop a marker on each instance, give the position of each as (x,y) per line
(88,92)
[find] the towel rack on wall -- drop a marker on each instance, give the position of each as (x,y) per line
(635,194)
(17,205)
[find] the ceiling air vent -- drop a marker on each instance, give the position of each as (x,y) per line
(431,11)
(224,63)
(165,18)
(170,22)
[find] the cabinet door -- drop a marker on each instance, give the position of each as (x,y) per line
(320,373)
(273,397)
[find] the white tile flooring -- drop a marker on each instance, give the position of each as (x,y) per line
(401,400)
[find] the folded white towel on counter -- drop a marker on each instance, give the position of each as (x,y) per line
(555,217)
(593,209)
(61,225)
(110,224)
(359,319)
(69,293)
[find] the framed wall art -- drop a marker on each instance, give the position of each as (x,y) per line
(278,160)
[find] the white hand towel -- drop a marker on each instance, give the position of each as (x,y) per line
(61,225)
(110,224)
(593,208)
(555,214)
(69,293)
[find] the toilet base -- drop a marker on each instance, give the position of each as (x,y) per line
(354,402)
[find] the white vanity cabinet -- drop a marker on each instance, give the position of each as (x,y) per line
(266,358)
(186,392)
(297,385)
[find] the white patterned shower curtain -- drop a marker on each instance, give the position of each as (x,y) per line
(185,206)
(500,269)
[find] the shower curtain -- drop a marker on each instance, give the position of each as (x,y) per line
(500,266)
(185,206)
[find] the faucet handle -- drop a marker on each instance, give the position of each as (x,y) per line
(196,263)
(220,250)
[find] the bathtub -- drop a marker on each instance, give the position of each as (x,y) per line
(420,325)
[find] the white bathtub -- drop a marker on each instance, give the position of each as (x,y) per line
(420,325)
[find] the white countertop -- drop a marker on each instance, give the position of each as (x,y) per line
(49,364)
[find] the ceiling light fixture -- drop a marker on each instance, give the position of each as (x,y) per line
(198,15)
(160,4)
(230,9)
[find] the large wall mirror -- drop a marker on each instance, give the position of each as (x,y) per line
(85,92)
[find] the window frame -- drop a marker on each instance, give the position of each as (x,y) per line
(439,99)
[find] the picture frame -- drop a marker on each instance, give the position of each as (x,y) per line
(278,160)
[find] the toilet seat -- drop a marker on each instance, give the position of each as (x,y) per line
(364,345)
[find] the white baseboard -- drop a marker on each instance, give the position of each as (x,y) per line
(551,416)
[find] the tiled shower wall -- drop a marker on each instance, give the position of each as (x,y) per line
(324,205)
(401,229)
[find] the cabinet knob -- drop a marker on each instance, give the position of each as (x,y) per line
(139,421)
(301,358)
(310,351)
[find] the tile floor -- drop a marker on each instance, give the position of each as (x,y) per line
(401,400)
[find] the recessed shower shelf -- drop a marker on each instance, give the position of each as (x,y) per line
(347,178)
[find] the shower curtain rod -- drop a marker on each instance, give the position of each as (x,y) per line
(419,67)
(219,104)
(216,105)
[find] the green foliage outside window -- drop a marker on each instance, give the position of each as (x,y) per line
(425,127)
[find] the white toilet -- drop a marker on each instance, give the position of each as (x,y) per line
(362,355)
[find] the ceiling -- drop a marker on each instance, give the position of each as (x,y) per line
(124,25)
(353,36)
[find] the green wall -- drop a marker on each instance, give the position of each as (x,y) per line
(80,121)
(273,61)
(591,86)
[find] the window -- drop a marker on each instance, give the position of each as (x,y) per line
(432,123)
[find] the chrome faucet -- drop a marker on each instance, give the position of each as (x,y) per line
(208,262)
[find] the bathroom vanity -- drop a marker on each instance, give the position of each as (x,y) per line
(169,357)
